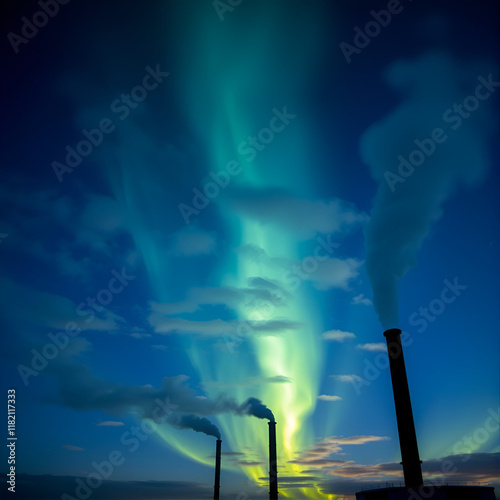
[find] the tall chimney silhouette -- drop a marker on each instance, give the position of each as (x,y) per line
(217,469)
(273,465)
(406,427)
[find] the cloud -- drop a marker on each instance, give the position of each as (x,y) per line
(480,467)
(325,275)
(330,446)
(248,382)
(86,233)
(139,335)
(218,327)
(373,347)
(110,423)
(260,294)
(337,335)
(48,310)
(191,240)
(361,299)
(71,448)
(334,273)
(160,347)
(326,397)
(300,216)
(248,463)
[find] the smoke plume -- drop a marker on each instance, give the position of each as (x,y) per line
(414,186)
(255,407)
(198,424)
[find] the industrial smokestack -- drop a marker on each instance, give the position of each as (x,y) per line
(217,469)
(273,464)
(406,428)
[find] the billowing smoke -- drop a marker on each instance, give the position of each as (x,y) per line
(435,140)
(173,402)
(198,424)
(255,407)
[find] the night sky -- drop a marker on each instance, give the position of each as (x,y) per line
(212,210)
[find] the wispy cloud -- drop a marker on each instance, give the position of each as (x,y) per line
(361,299)
(248,382)
(217,327)
(110,423)
(327,397)
(71,448)
(331,445)
(50,310)
(337,335)
(373,347)
(300,216)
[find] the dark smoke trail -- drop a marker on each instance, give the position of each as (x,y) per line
(255,407)
(198,424)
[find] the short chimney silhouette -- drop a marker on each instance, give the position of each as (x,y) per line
(273,466)
(217,469)
(404,415)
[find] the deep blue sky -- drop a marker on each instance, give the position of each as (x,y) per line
(214,311)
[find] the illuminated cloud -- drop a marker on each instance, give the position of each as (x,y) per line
(337,335)
(332,445)
(302,217)
(262,294)
(361,299)
(334,273)
(324,275)
(327,397)
(71,448)
(249,381)
(373,347)
(218,327)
